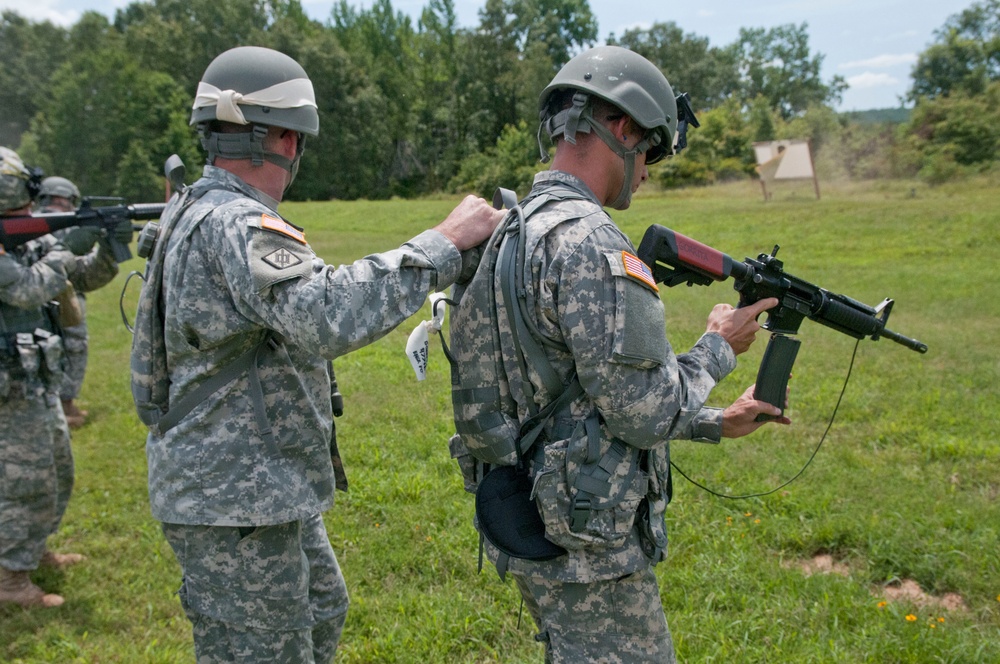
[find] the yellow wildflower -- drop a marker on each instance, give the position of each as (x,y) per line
(911,618)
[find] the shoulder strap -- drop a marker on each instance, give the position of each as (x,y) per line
(511,264)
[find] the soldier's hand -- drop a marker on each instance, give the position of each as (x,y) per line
(740,418)
(122,232)
(738,326)
(80,240)
(471,223)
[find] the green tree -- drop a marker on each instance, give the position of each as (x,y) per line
(778,65)
(104,106)
(180,37)
(383,42)
(30,53)
(511,163)
(965,56)
(691,65)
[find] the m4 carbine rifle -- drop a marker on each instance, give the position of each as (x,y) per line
(15,231)
(676,259)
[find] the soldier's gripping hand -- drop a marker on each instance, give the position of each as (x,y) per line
(471,223)
(738,326)
(740,418)
(122,232)
(80,240)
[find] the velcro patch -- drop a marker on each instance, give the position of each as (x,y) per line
(635,268)
(281,226)
(281,259)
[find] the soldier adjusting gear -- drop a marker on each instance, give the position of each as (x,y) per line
(626,80)
(256,87)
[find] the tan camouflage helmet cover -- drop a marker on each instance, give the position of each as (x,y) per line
(14,179)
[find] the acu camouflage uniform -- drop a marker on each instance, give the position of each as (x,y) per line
(36,465)
(99,270)
(600,601)
(241,481)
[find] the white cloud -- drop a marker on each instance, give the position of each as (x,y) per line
(872,80)
(43,10)
(881,61)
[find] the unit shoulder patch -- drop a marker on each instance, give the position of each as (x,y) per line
(279,254)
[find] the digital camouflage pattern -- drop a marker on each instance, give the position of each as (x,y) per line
(94,270)
(618,621)
(235,272)
(606,323)
(241,501)
(611,326)
(271,594)
(13,181)
(36,465)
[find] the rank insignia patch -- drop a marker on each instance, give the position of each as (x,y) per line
(283,227)
(281,259)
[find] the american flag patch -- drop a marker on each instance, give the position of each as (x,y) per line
(636,269)
(282,226)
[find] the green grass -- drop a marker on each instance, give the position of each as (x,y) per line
(907,485)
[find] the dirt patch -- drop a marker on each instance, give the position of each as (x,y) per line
(823,563)
(910,591)
(906,590)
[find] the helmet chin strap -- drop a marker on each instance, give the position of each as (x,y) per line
(250,145)
(580,118)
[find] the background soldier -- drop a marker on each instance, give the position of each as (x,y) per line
(240,464)
(36,465)
(61,195)
(601,472)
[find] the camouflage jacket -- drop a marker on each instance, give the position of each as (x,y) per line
(234,273)
(605,321)
(27,281)
(88,272)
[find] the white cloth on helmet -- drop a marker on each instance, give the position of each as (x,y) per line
(295,93)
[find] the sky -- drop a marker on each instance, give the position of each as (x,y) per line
(873,44)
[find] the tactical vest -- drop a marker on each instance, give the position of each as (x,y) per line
(150,376)
(594,503)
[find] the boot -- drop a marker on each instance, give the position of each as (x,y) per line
(17,588)
(75,417)
(59,560)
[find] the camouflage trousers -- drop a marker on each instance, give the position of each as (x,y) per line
(619,621)
(36,471)
(76,344)
(261,594)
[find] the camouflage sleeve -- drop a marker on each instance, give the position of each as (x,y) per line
(96,269)
(612,319)
(32,286)
(279,282)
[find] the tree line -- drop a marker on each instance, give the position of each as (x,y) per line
(409,107)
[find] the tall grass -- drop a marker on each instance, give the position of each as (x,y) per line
(905,487)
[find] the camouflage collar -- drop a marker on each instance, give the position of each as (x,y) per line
(231,181)
(561,178)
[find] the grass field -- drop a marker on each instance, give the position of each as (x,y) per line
(904,494)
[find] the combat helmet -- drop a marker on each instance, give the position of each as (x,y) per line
(628,81)
(55,186)
(251,85)
(18,183)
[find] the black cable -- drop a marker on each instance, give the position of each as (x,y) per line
(833,416)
